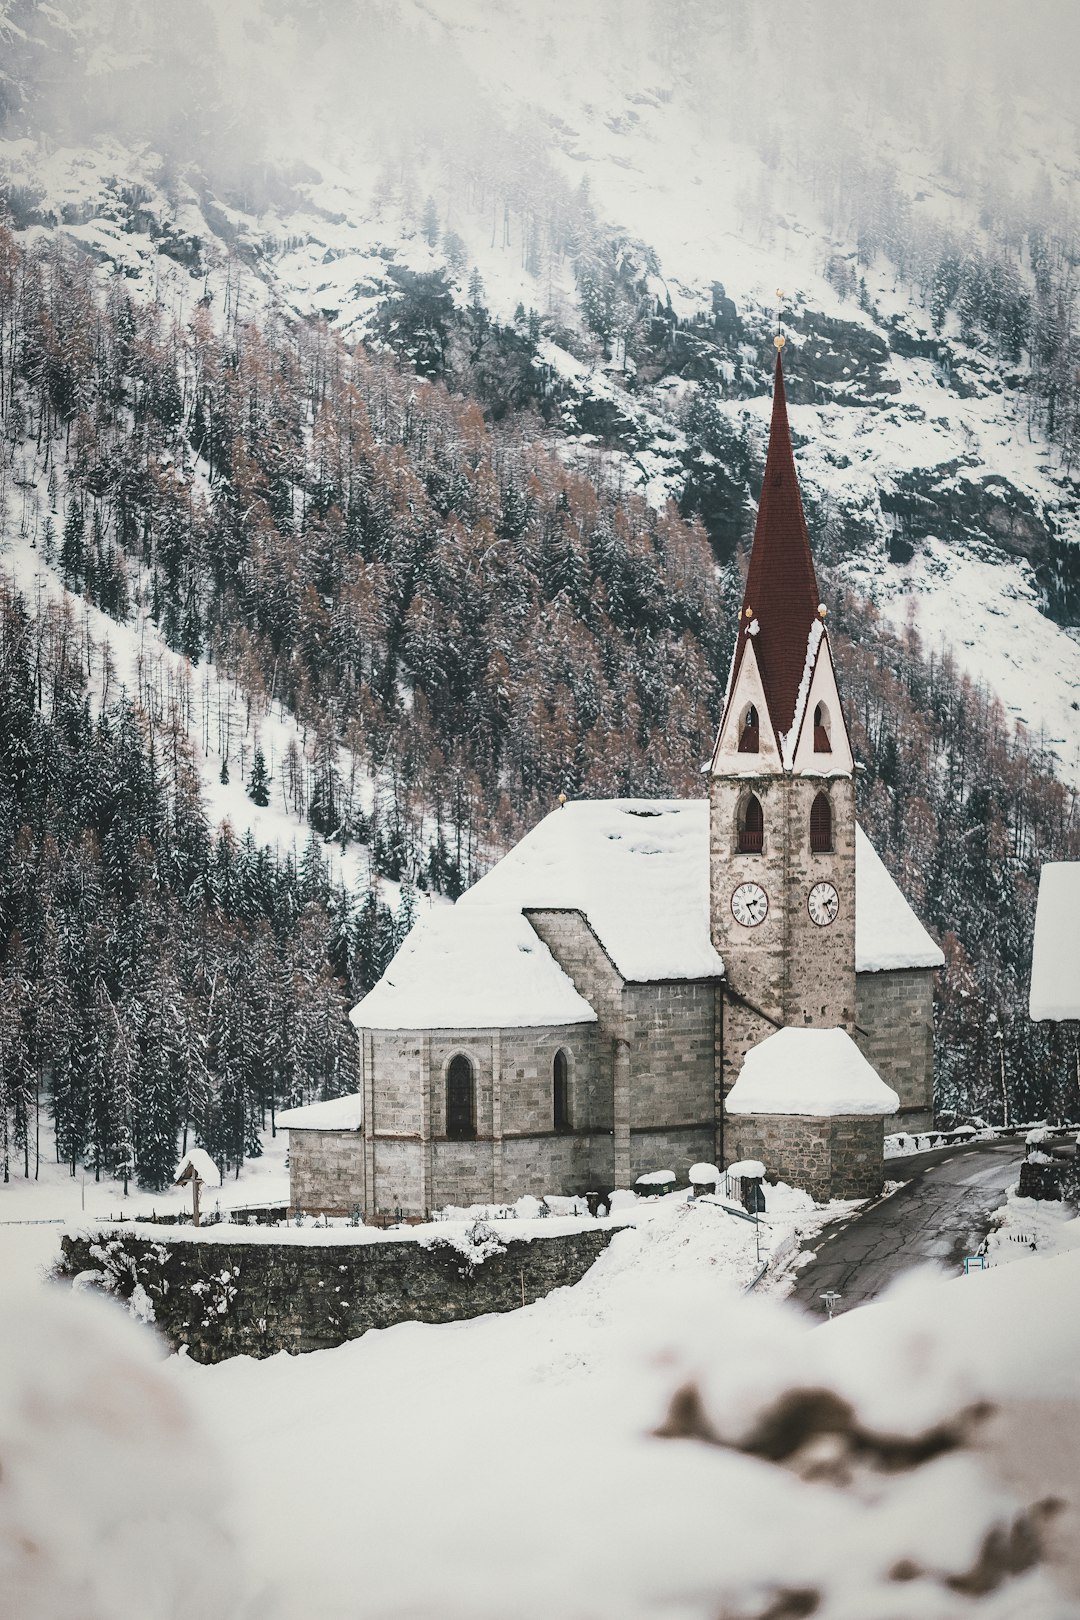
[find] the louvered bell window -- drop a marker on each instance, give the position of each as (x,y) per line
(752,827)
(821,825)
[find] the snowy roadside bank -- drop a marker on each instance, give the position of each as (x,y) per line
(225,1291)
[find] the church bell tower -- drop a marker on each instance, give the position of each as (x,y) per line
(782,801)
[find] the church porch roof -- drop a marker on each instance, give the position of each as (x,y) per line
(817,1072)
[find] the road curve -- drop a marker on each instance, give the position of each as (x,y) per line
(941,1213)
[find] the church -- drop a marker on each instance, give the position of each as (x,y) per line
(647,984)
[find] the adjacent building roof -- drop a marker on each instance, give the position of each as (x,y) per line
(340,1114)
(809,1071)
(1055,955)
(638,870)
(472,967)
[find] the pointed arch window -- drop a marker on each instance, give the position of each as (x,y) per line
(460,1099)
(751,827)
(822,730)
(821,825)
(749,732)
(560,1087)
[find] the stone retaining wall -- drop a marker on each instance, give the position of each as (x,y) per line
(222,1297)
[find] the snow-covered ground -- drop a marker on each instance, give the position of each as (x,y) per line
(1027,1226)
(654,1442)
(649,1443)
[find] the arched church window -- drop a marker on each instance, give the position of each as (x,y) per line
(560,1085)
(821,824)
(822,742)
(749,734)
(751,827)
(460,1090)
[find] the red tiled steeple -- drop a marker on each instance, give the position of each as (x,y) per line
(781,589)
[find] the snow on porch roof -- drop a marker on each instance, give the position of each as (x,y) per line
(472,967)
(809,1071)
(639,870)
(1055,955)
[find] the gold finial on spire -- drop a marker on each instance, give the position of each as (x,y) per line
(779,340)
(562,800)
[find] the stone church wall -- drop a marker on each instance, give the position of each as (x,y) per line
(414,1168)
(820,979)
(672,1074)
(396,1183)
(569,1163)
(836,1156)
(463,1173)
(671,1150)
(673,1056)
(580,954)
(326,1171)
(895,1030)
(527,1083)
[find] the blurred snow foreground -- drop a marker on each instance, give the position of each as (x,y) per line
(110,1501)
(630,1447)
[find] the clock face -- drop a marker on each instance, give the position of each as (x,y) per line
(749,904)
(823,903)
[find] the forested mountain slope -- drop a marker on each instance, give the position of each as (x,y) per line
(414,588)
(585,212)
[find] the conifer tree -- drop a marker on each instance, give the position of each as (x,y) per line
(259,781)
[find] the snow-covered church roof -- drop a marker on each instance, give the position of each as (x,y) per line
(638,869)
(472,967)
(887,932)
(1055,958)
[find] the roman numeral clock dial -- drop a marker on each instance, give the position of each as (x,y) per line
(749,904)
(823,903)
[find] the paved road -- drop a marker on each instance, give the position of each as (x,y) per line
(941,1214)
